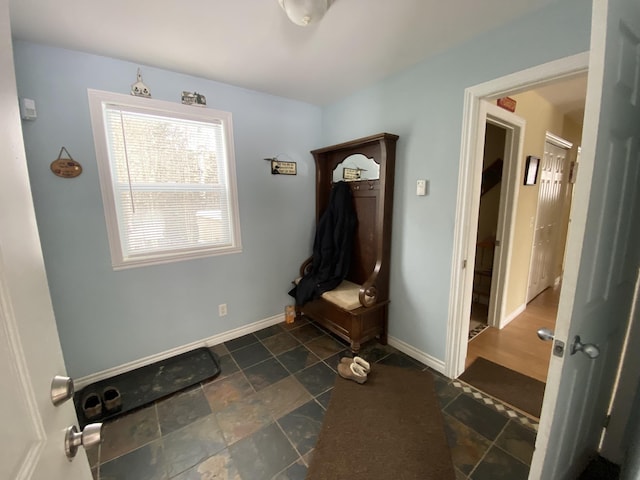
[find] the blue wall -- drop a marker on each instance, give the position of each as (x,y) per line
(107,318)
(423,105)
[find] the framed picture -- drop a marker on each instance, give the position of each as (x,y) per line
(531,170)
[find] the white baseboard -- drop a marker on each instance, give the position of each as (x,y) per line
(513,315)
(413,352)
(82,382)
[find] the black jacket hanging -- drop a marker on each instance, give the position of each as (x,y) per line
(332,247)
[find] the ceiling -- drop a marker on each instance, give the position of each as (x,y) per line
(568,96)
(252,44)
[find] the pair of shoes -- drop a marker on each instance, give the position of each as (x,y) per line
(358,360)
(355,369)
(352,371)
(92,404)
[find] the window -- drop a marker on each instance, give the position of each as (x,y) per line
(167,174)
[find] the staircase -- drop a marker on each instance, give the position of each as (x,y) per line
(483,270)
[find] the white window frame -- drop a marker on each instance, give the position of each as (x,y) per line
(97,100)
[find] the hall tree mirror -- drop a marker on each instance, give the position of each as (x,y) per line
(356,167)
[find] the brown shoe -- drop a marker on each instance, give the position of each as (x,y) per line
(352,371)
(91,406)
(366,366)
(112,399)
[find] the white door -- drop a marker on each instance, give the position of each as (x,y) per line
(545,237)
(33,430)
(602,250)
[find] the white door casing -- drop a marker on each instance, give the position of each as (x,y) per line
(602,249)
(32,428)
(551,193)
(469,191)
(514,141)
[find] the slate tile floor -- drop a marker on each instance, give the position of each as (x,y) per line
(261,417)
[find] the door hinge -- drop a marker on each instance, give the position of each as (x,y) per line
(464,264)
(607,419)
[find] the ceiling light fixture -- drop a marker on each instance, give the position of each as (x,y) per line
(304,12)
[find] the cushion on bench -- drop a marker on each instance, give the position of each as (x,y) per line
(345,295)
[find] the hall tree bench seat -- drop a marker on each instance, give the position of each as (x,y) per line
(357,310)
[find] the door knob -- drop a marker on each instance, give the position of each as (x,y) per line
(545,334)
(91,435)
(589,349)
(62,389)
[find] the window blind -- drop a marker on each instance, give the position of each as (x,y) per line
(170,182)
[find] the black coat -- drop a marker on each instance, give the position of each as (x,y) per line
(332,247)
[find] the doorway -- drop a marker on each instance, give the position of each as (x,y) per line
(508,308)
(536,271)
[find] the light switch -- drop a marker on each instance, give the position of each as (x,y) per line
(421,188)
(28,109)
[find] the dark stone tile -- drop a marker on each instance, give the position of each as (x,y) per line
(145,463)
(317,379)
(265,373)
(220,350)
(192,444)
(128,433)
(228,366)
(297,471)
(268,332)
(324,346)
(247,356)
(297,324)
(517,440)
(243,418)
(482,419)
(221,394)
(306,332)
(241,342)
(460,475)
(372,351)
(445,391)
(307,458)
(403,360)
(263,454)
(182,409)
(284,396)
(467,446)
(280,343)
(302,426)
(499,465)
(298,359)
(219,466)
(334,360)
(323,398)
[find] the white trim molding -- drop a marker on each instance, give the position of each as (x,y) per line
(82,382)
(428,360)
(558,141)
(460,286)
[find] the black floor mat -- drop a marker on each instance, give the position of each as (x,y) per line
(147,384)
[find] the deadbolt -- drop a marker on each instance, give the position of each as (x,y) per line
(589,349)
(62,389)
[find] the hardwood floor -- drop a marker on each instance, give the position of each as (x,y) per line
(517,345)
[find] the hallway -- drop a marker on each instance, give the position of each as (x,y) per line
(517,346)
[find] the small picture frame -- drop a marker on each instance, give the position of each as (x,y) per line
(531,170)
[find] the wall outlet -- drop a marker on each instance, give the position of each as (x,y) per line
(222,309)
